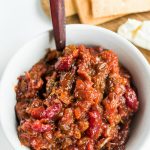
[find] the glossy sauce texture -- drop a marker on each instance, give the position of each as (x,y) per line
(80,99)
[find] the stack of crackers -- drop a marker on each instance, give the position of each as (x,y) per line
(100,11)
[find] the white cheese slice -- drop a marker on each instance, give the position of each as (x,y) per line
(137,32)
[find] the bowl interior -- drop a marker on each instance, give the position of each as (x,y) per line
(129,56)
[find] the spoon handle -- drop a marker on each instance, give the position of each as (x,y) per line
(58,21)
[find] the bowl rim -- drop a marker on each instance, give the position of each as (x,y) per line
(88,27)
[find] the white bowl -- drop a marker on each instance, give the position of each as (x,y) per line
(129,56)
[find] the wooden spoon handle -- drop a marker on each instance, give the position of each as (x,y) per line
(58,21)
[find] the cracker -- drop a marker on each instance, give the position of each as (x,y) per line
(85,13)
(69,7)
(103,8)
(45,6)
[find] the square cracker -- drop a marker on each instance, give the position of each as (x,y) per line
(85,13)
(103,8)
(69,7)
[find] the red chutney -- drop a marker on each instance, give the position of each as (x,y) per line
(80,99)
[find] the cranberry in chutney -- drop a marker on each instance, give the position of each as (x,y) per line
(78,99)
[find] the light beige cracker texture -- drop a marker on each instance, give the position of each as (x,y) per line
(85,13)
(103,8)
(69,7)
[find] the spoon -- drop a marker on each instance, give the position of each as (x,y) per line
(58,21)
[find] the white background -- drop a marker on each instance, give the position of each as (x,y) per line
(20,21)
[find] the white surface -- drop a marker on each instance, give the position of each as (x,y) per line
(138,32)
(20,21)
(133,61)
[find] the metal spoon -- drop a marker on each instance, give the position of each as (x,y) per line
(58,21)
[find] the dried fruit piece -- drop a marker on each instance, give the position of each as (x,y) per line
(131,99)
(95,122)
(52,111)
(39,127)
(64,63)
